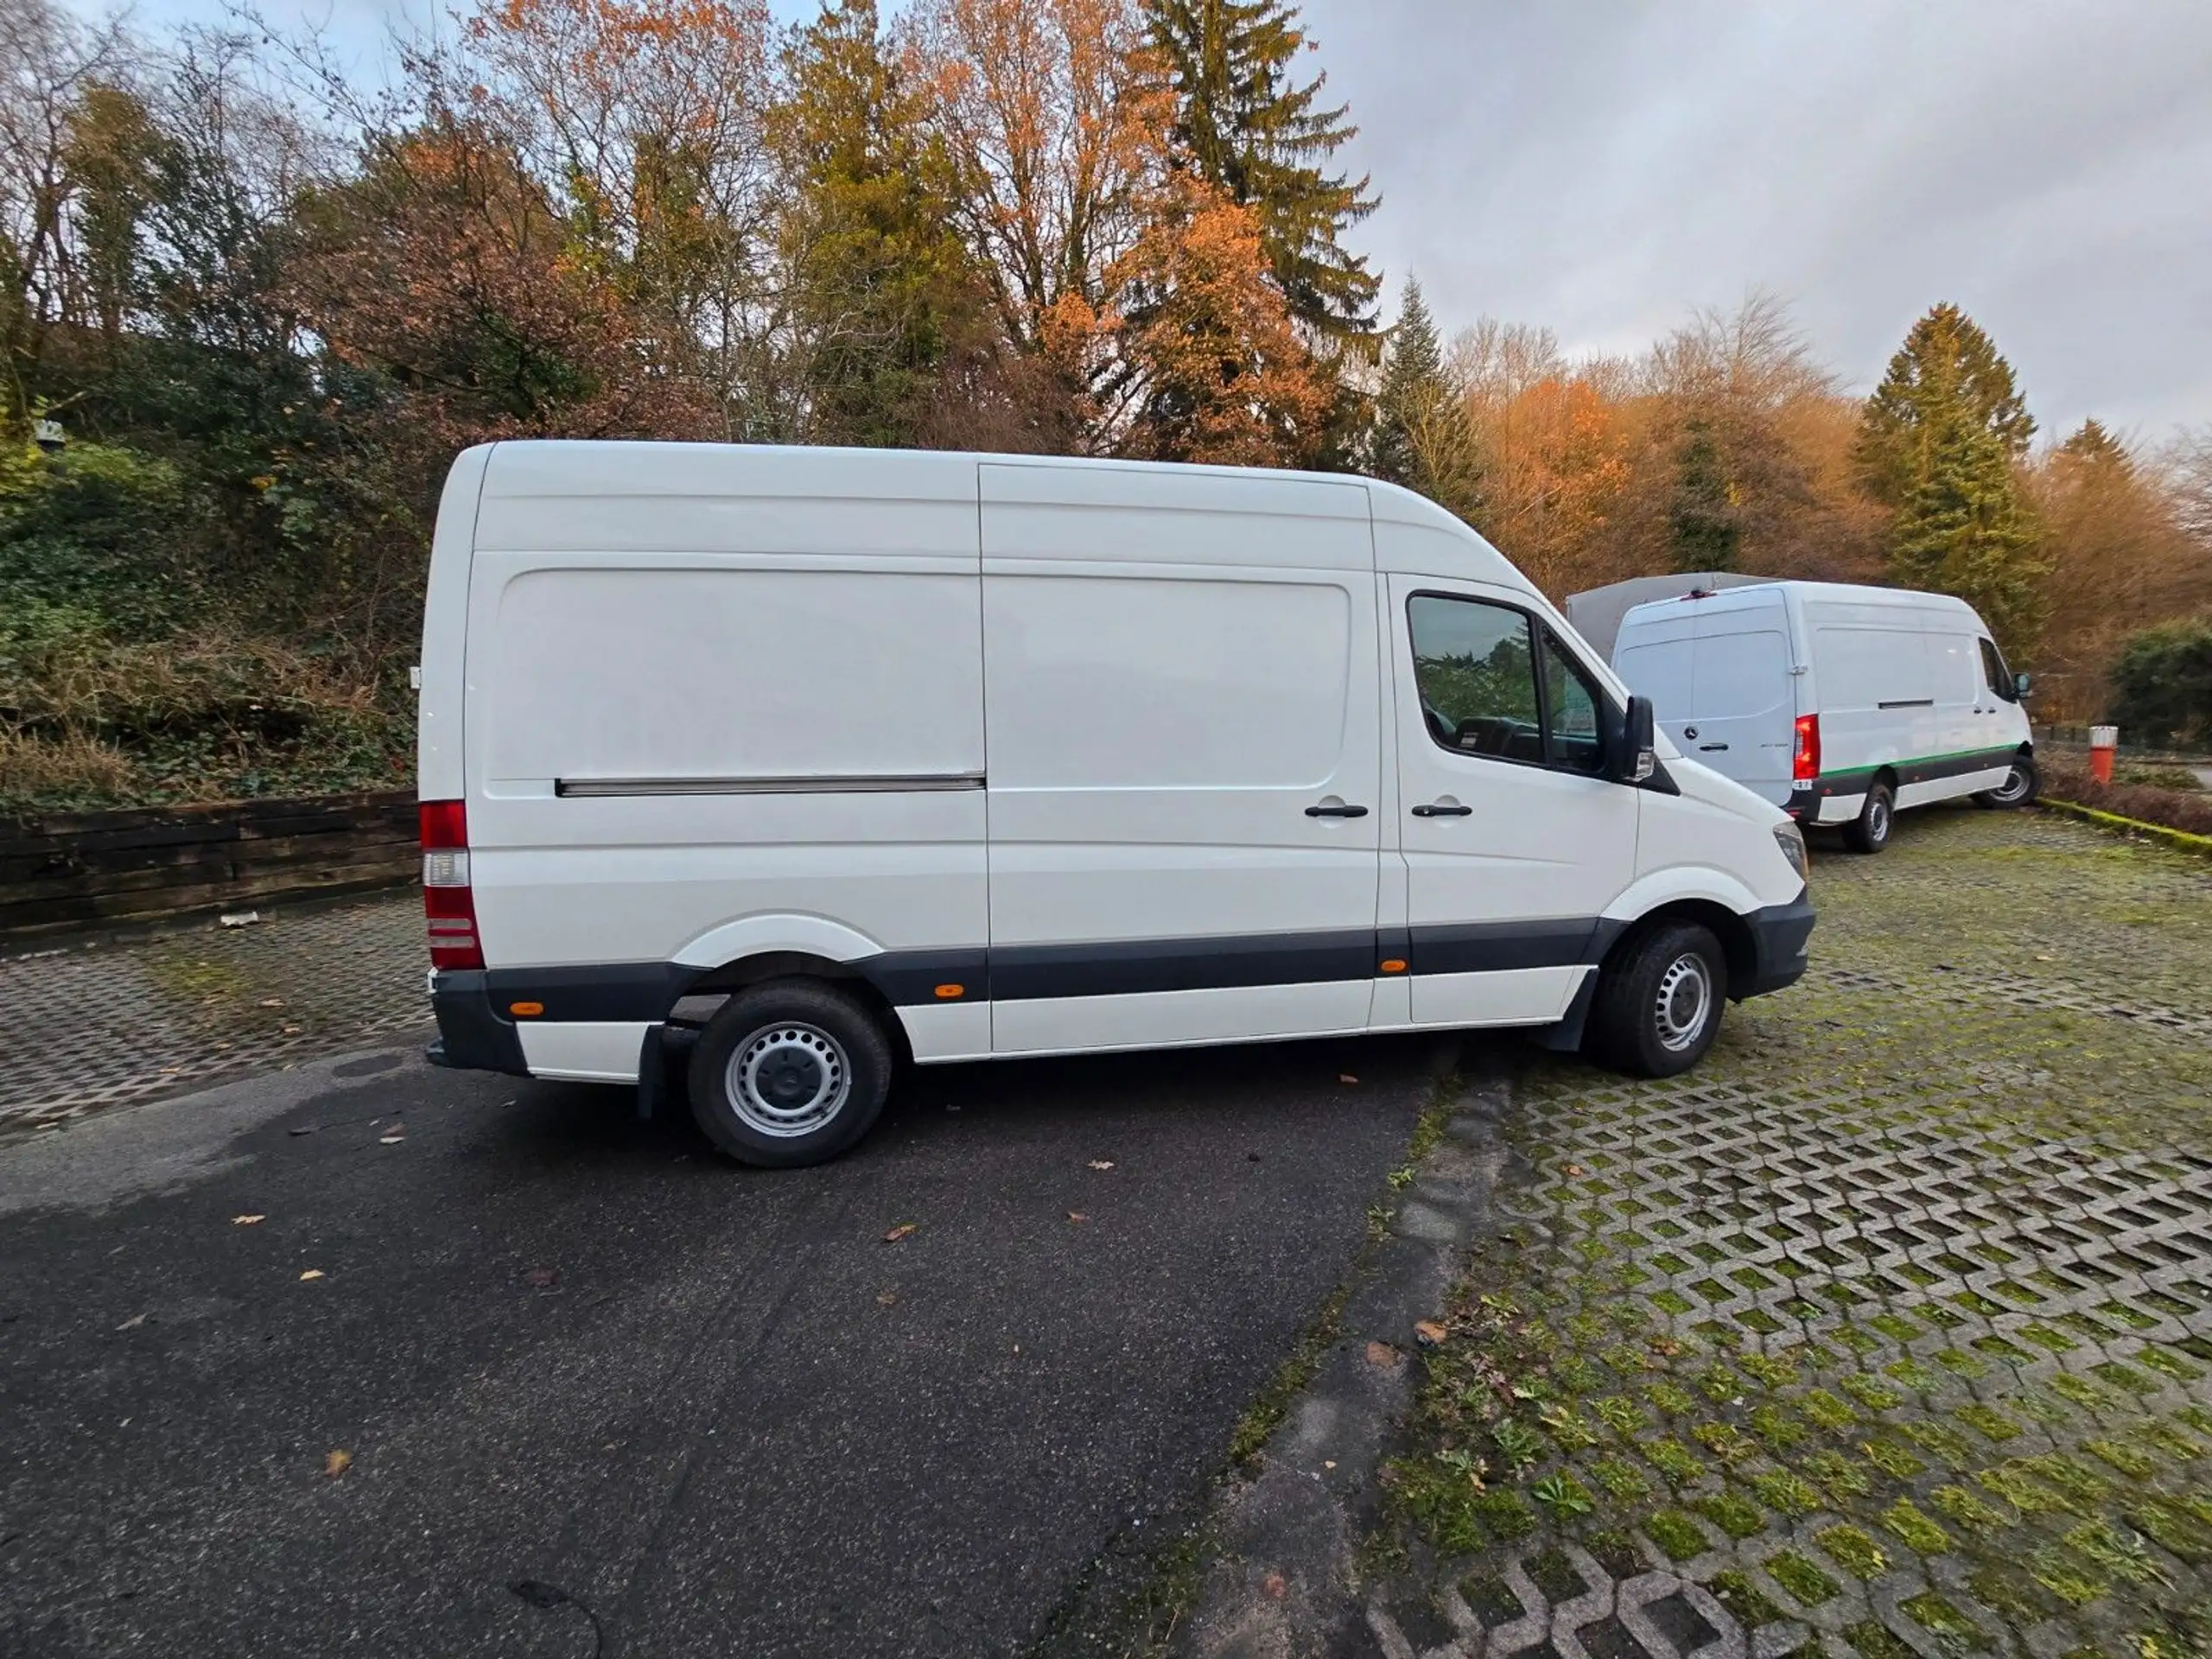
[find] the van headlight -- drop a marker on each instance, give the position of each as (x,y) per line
(1792,839)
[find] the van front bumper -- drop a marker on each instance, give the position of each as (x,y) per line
(473,1036)
(1780,934)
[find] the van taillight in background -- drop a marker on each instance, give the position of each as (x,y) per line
(447,901)
(1805,762)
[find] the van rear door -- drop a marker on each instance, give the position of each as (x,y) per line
(1182,713)
(1744,697)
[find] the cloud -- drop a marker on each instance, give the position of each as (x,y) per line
(1606,167)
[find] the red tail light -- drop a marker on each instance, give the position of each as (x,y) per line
(447,904)
(1805,763)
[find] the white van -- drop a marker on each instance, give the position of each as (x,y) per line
(1841,704)
(864,756)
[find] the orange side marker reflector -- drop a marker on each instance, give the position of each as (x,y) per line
(1394,965)
(526,1009)
(946,993)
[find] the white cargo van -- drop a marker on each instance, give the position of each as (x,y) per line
(820,758)
(1841,704)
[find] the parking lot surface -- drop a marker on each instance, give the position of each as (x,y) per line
(330,1361)
(1888,1331)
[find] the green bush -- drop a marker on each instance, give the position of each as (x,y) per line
(2162,684)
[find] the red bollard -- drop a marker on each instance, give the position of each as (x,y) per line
(2103,739)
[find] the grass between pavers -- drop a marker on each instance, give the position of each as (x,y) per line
(1917,1267)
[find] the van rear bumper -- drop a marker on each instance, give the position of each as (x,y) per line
(1780,934)
(472,1035)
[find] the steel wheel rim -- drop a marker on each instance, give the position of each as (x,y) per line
(1878,818)
(788,1079)
(1684,1001)
(2014,787)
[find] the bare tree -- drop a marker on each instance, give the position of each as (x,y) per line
(48,60)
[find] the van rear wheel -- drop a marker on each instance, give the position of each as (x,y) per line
(1869,832)
(1658,1002)
(789,1073)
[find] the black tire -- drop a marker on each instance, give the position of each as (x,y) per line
(789,1073)
(2020,787)
(1869,832)
(1640,1022)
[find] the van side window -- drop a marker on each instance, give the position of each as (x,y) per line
(1487,688)
(1571,703)
(1476,666)
(1994,671)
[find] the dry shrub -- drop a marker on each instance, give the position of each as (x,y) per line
(2068,779)
(72,767)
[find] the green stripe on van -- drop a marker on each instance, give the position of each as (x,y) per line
(1993,758)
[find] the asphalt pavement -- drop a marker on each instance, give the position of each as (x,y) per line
(689,1408)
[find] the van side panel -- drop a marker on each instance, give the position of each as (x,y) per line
(778,735)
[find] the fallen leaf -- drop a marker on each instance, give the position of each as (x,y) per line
(1276,1587)
(391,1139)
(1346,1077)
(247,1221)
(291,1030)
(1429,1333)
(1576,1169)
(1101,1163)
(543,1278)
(1382,1354)
(1328,1463)
(336,1462)
(1077,1214)
(900,1231)
(309,1130)
(312,1273)
(887,1299)
(272,1001)
(132,1322)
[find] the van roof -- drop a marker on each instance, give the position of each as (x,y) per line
(523,469)
(1810,593)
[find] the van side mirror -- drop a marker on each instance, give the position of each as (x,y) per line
(2022,684)
(1639,753)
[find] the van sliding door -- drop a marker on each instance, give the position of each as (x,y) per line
(1184,756)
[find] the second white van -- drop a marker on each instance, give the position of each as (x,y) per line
(1841,704)
(817,762)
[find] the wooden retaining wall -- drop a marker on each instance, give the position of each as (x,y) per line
(74,871)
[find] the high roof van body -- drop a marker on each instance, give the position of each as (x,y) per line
(821,760)
(1838,704)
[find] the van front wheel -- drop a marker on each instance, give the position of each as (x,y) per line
(1657,1006)
(2017,790)
(789,1073)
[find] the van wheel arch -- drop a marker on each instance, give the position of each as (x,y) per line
(747,971)
(1734,933)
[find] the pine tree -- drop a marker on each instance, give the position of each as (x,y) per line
(1946,365)
(1704,529)
(881,282)
(1246,128)
(1965,531)
(1413,390)
(1939,440)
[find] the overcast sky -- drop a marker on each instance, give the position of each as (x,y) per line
(1604,167)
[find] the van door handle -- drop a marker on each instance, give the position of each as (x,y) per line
(1444,809)
(1708,748)
(1338,811)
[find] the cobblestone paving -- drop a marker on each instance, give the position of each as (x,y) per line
(1887,1331)
(88,1026)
